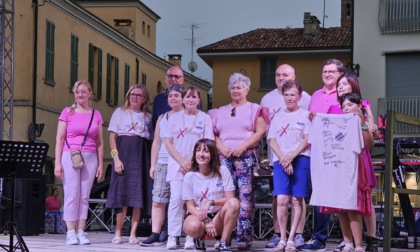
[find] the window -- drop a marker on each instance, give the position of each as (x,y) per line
(49,56)
(143,78)
(74,60)
(402,74)
(126,78)
(95,71)
(112,80)
(267,74)
(398,16)
(148,31)
(143,28)
(137,70)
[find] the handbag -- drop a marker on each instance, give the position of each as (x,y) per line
(76,155)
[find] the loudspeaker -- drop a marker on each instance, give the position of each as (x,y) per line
(29,204)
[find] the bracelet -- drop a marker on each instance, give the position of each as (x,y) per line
(365,127)
(113,153)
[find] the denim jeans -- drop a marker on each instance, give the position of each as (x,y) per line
(321,223)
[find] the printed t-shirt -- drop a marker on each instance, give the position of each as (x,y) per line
(204,188)
(336,141)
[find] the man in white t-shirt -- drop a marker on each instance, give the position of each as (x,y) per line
(274,101)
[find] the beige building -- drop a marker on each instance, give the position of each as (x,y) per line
(110,43)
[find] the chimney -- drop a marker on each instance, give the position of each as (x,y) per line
(175,59)
(124,26)
(310,24)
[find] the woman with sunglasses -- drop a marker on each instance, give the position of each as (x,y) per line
(239,128)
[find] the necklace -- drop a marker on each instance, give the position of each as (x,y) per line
(193,124)
(134,124)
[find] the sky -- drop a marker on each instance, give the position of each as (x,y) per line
(220,19)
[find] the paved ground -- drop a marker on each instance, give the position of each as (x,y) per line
(100,241)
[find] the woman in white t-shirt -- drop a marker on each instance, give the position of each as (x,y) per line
(185,128)
(210,197)
(288,138)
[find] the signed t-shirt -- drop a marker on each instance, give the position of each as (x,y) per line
(336,141)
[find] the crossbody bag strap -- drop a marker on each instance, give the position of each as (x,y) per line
(87,132)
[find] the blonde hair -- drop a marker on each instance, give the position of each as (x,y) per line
(145,107)
(75,87)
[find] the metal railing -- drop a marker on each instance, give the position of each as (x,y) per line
(409,106)
(399,16)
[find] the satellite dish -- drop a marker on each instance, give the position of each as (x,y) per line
(192,66)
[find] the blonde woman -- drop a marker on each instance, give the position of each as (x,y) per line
(130,141)
(79,128)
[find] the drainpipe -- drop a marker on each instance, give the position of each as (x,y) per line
(35,68)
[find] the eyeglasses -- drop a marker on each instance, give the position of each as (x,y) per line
(170,76)
(325,72)
(233,112)
(132,95)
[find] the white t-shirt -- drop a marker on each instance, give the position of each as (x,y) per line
(289,128)
(163,154)
(186,130)
(336,141)
(204,188)
(126,122)
(274,101)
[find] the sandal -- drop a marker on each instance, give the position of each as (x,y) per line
(133,240)
(117,240)
(280,246)
(290,246)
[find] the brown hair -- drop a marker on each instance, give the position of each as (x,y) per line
(290,84)
(214,157)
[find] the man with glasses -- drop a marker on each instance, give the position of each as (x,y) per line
(174,75)
(274,101)
(320,102)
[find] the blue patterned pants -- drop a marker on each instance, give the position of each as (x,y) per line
(241,170)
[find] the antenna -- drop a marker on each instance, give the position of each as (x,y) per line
(192,65)
(324,16)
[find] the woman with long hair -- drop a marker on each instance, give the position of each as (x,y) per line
(130,141)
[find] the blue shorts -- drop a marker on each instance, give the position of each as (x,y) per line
(297,184)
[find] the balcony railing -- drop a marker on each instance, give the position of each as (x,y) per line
(399,16)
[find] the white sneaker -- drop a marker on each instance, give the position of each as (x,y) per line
(171,244)
(71,239)
(189,242)
(82,238)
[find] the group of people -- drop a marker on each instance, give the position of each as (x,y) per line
(193,171)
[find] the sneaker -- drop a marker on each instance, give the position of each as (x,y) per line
(163,237)
(199,244)
(189,242)
(273,241)
(340,247)
(223,246)
(299,240)
(151,241)
(171,244)
(312,245)
(71,239)
(83,240)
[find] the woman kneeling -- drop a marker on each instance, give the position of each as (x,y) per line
(210,198)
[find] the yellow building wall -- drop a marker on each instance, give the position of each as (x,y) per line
(108,14)
(51,99)
(308,73)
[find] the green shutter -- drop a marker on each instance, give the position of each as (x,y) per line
(99,91)
(126,78)
(108,78)
(91,66)
(116,82)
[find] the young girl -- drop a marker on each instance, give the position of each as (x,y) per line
(348,83)
(288,138)
(210,197)
(351,220)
